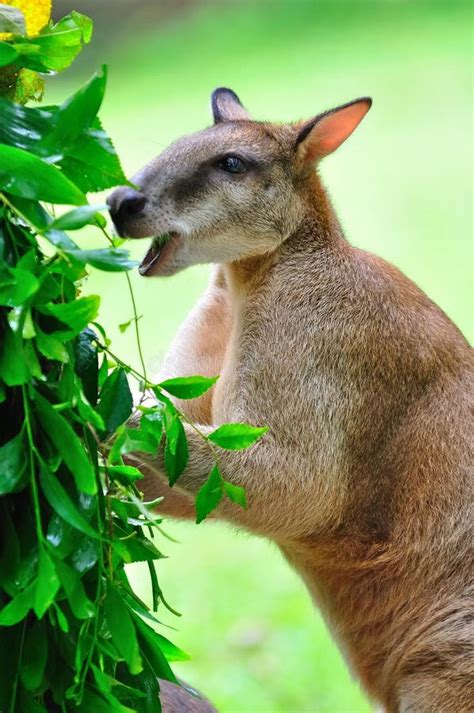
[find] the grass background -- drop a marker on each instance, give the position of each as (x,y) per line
(402,187)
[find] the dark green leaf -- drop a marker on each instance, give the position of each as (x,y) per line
(122,629)
(209,495)
(235,436)
(35,652)
(26,175)
(87,363)
(176,449)
(150,643)
(61,502)
(188,387)
(116,401)
(8,53)
(67,443)
(13,459)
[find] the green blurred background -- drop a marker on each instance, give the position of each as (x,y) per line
(402,187)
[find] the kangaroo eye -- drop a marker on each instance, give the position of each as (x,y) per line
(232,164)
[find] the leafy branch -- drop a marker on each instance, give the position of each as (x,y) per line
(73,634)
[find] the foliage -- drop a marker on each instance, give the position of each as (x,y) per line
(74,635)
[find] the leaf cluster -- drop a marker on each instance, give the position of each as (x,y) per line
(73,634)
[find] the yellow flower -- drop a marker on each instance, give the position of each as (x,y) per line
(36,12)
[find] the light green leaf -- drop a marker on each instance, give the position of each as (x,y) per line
(23,174)
(124,474)
(209,495)
(236,436)
(188,387)
(235,493)
(60,433)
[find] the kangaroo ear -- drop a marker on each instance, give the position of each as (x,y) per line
(322,135)
(226,106)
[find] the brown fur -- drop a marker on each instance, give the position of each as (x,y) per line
(364,480)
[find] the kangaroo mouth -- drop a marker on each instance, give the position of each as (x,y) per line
(156,252)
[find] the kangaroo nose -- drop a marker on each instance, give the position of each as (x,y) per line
(125,203)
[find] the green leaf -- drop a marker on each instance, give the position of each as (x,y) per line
(235,436)
(106,259)
(12,20)
(88,413)
(35,652)
(23,174)
(87,363)
(150,644)
(176,449)
(235,493)
(17,288)
(13,457)
(57,45)
(116,402)
(77,218)
(125,474)
(188,387)
(152,422)
(8,53)
(51,347)
(122,629)
(132,440)
(47,584)
(67,443)
(18,607)
(76,115)
(76,314)
(62,504)
(209,495)
(13,366)
(125,325)
(90,161)
(80,604)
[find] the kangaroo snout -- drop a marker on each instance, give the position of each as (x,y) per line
(125,205)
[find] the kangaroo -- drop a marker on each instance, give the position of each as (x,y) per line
(364,479)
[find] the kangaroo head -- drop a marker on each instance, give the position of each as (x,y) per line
(230,192)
